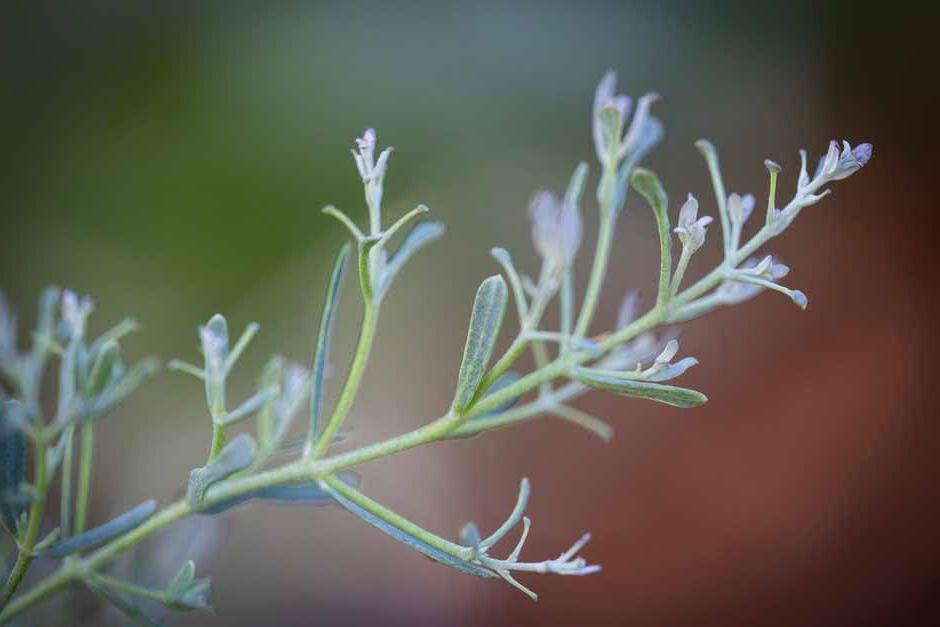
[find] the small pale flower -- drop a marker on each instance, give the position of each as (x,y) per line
(837,165)
(646,345)
(75,312)
(364,154)
(804,175)
(663,369)
(691,228)
(556,229)
(610,114)
(740,208)
(769,268)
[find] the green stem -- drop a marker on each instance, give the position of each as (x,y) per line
(356,371)
(86,457)
(128,588)
(218,440)
(681,267)
(25,556)
(605,238)
(68,462)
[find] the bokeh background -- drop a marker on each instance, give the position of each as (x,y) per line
(171,158)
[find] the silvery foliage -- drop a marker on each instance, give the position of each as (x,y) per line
(637,358)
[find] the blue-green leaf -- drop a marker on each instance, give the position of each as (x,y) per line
(120,389)
(102,368)
(489,307)
(409,540)
(12,463)
(671,395)
(98,535)
(249,407)
(129,606)
(185,592)
(422,234)
(299,494)
(323,344)
(236,455)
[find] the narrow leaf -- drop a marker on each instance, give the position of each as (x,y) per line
(514,517)
(98,535)
(505,380)
(130,607)
(115,394)
(270,376)
(237,455)
(586,421)
(323,344)
(185,592)
(489,307)
(422,234)
(671,395)
(298,494)
(675,370)
(102,368)
(249,407)
(12,463)
(408,539)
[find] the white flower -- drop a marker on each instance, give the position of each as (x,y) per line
(837,165)
(364,154)
(740,208)
(691,228)
(638,135)
(75,312)
(556,229)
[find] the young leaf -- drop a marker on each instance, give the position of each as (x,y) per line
(470,535)
(237,455)
(250,406)
(102,368)
(611,382)
(118,390)
(130,607)
(489,307)
(270,376)
(116,527)
(185,592)
(12,464)
(505,380)
(408,539)
(422,234)
(215,350)
(323,345)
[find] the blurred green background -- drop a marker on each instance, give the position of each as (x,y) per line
(171,159)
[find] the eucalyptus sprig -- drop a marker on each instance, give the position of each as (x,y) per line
(635,358)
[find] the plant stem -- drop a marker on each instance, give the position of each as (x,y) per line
(68,463)
(25,556)
(681,267)
(86,457)
(129,588)
(356,371)
(218,440)
(605,238)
